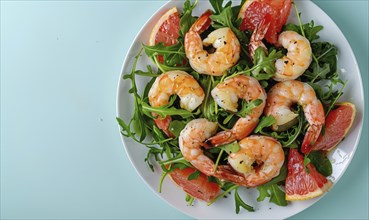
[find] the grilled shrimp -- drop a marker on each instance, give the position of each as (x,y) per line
(227,48)
(298,58)
(175,82)
(280,99)
(299,53)
(259,159)
(191,139)
(226,95)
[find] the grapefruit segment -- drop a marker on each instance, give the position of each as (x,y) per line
(253,12)
(166,30)
(337,124)
(300,184)
(199,188)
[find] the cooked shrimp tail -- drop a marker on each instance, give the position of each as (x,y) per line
(242,128)
(202,23)
(311,136)
(258,35)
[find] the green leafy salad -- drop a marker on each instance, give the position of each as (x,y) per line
(322,75)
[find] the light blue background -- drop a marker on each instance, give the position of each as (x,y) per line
(61,154)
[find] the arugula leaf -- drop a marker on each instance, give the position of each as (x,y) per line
(266,121)
(149,72)
(172,57)
(176,126)
(306,162)
(264,67)
(247,107)
(217,5)
(263,193)
(225,19)
(218,159)
(240,203)
(137,121)
(309,30)
(165,110)
(179,159)
(233,147)
(334,96)
(152,152)
(194,175)
(278,196)
(189,199)
(208,107)
(325,64)
(187,19)
(321,162)
(289,137)
(161,49)
(330,96)
(272,190)
(165,147)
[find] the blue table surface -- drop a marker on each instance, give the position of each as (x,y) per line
(61,153)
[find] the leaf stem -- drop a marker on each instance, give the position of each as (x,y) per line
(335,100)
(218,158)
(299,19)
(223,194)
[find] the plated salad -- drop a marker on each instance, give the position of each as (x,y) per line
(237,97)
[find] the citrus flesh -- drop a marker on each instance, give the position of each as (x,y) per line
(166,30)
(254,11)
(337,124)
(302,184)
(199,187)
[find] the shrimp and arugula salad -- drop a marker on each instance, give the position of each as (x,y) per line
(236,97)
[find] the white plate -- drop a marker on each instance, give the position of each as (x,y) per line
(224,208)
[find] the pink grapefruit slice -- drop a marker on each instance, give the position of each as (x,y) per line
(303,185)
(199,187)
(337,125)
(166,30)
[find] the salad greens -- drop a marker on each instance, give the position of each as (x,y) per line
(322,75)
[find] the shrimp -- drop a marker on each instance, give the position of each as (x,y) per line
(298,58)
(175,82)
(258,35)
(259,159)
(226,95)
(191,139)
(299,55)
(227,48)
(280,99)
